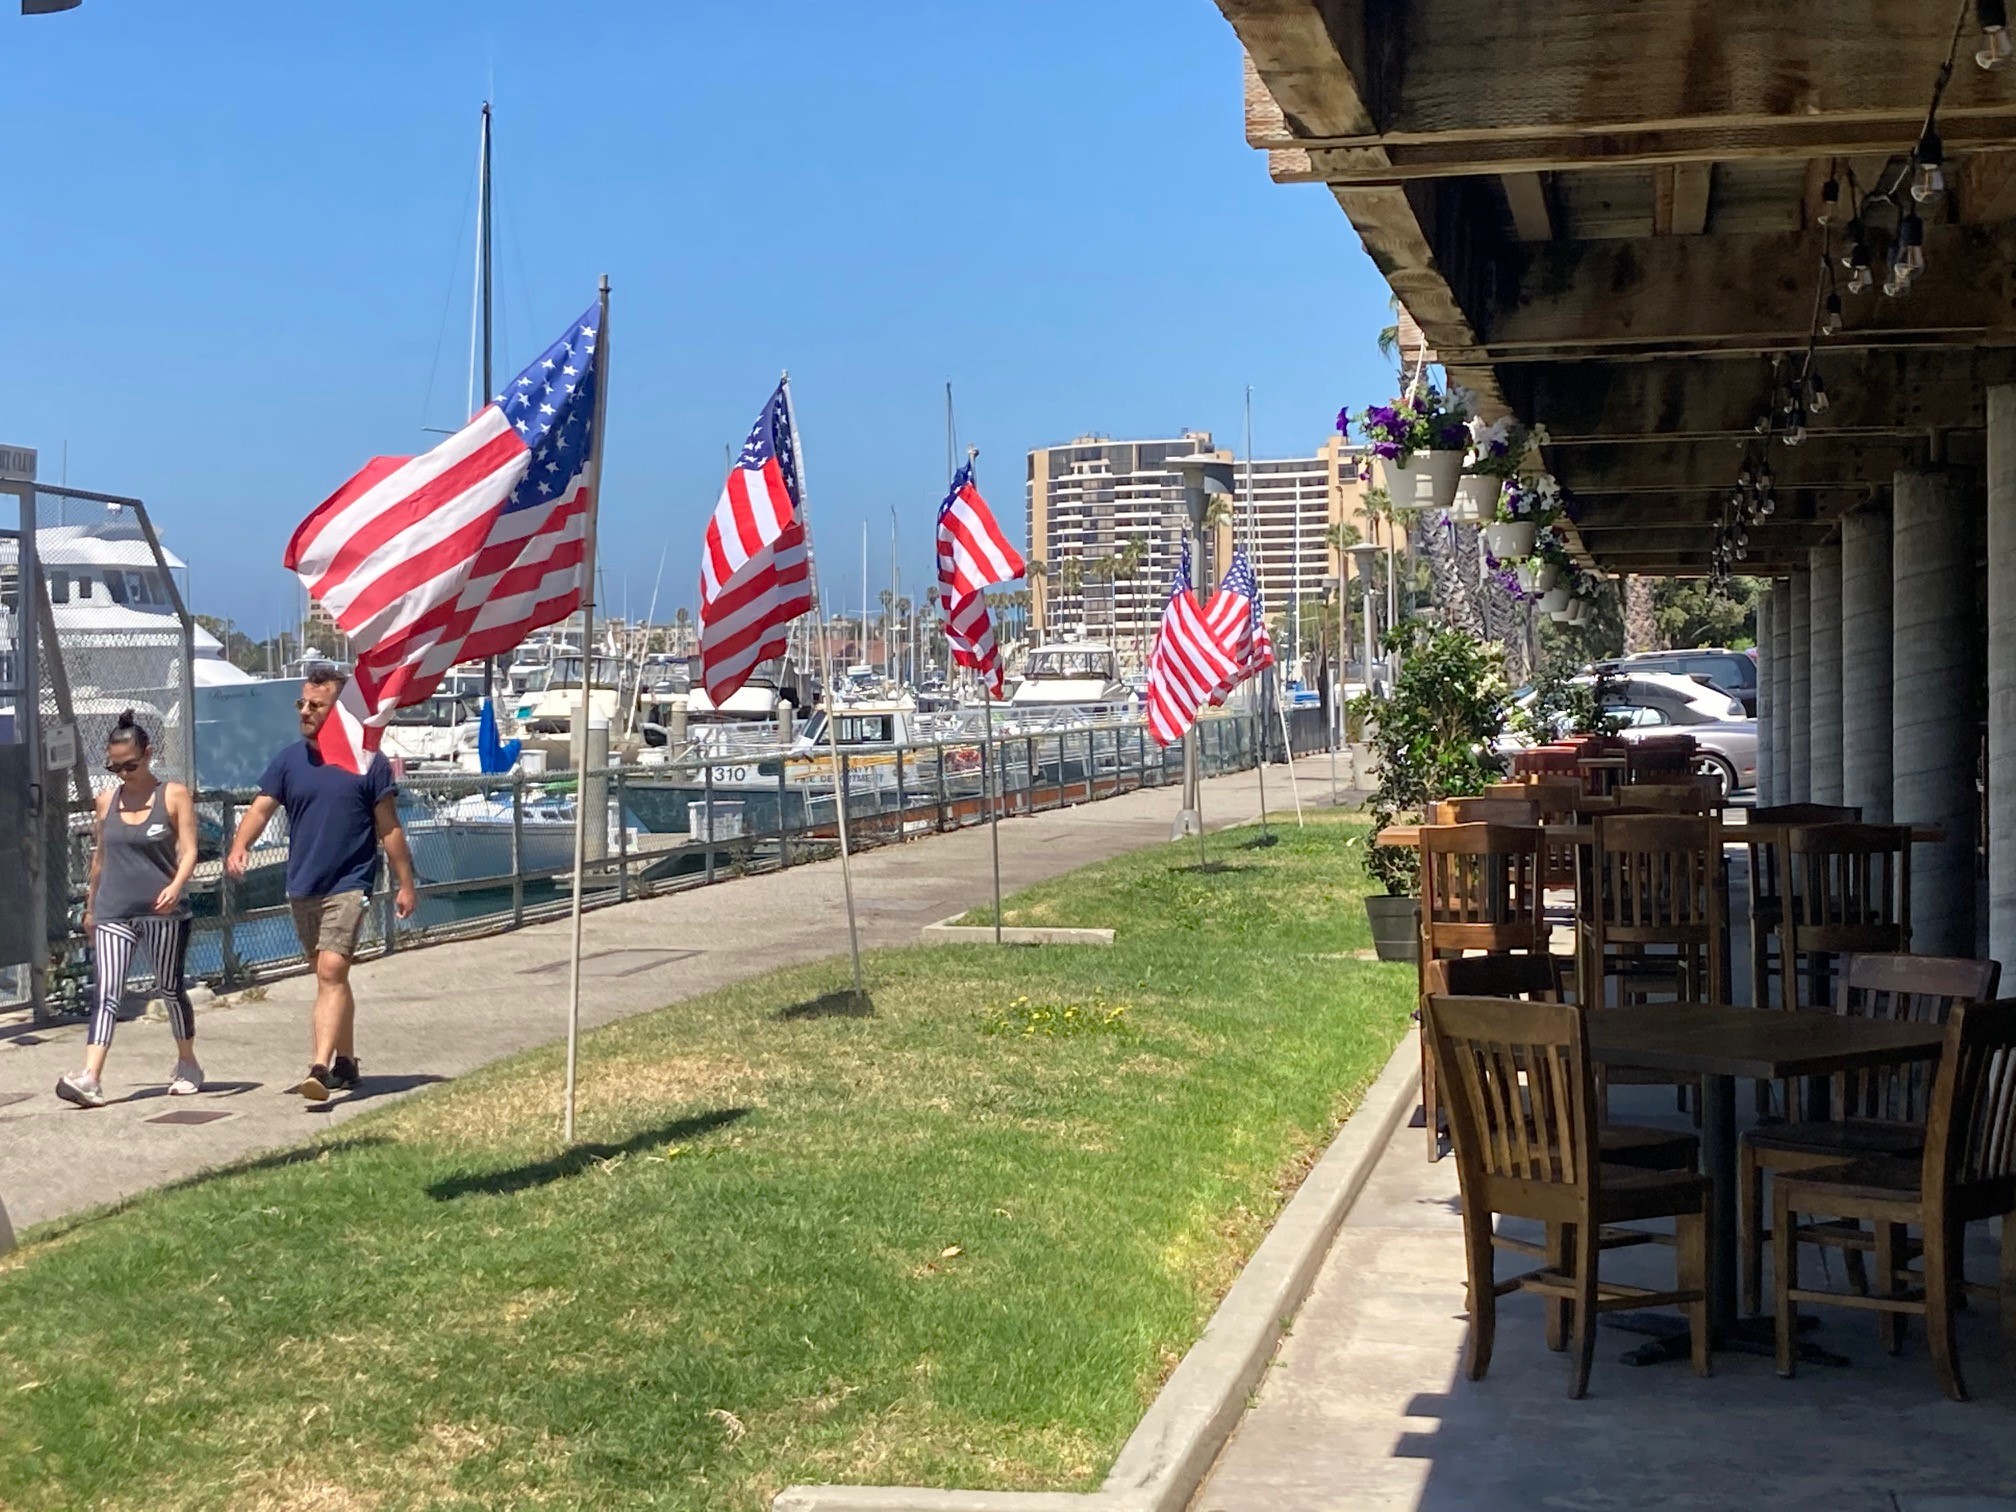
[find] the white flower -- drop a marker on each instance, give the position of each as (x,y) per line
(1461,401)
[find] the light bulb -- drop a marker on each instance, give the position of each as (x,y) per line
(1996,48)
(1927,181)
(1768,503)
(1831,324)
(1894,285)
(1766,480)
(1911,246)
(1859,281)
(1830,202)
(1816,395)
(1857,255)
(1742,552)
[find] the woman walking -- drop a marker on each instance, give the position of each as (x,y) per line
(144,853)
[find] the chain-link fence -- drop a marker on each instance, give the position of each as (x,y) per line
(491,853)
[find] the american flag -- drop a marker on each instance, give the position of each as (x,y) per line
(1187,665)
(754,574)
(1236,619)
(427,561)
(973,555)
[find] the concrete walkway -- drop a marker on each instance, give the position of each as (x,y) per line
(1367,1406)
(426,1016)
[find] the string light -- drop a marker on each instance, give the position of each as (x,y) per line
(1928,181)
(1996,47)
(1831,324)
(1910,246)
(1830,201)
(1816,394)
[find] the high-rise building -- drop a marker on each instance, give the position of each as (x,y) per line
(1088,499)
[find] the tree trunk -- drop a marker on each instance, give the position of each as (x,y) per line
(1641,630)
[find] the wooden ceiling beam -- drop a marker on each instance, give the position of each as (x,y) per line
(1901,393)
(1682,466)
(1676,293)
(1526,195)
(1388,158)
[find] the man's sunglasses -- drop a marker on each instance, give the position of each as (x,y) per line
(123,768)
(303,705)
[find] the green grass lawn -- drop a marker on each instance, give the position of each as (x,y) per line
(959,1239)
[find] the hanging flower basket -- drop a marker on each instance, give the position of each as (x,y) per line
(1579,611)
(1428,481)
(1476,495)
(1538,576)
(1511,539)
(1420,441)
(1554,602)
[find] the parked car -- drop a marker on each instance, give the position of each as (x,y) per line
(1665,703)
(1734,672)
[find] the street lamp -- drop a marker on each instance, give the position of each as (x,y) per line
(1366,552)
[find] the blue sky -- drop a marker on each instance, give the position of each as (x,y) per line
(245,267)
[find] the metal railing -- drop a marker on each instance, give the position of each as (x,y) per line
(493,853)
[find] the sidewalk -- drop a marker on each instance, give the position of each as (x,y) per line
(427,1016)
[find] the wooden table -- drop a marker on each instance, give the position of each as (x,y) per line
(1720,1042)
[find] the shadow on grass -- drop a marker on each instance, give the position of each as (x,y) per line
(1260,842)
(846,1003)
(276,1161)
(574,1161)
(1208,869)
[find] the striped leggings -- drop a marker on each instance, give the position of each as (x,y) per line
(113,942)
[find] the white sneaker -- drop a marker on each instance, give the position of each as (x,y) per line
(81,1089)
(187,1079)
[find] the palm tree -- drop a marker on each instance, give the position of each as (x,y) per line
(684,618)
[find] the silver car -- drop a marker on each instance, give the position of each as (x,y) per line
(1661,703)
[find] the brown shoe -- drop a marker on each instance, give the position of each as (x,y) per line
(315,1085)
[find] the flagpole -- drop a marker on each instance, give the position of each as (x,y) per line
(1261,685)
(600,441)
(990,784)
(832,696)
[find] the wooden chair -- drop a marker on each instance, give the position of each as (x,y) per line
(1767,870)
(1603,775)
(1537,978)
(1487,810)
(1661,798)
(1847,890)
(1480,890)
(1661,758)
(1522,1115)
(1879,1112)
(1968,1172)
(1654,881)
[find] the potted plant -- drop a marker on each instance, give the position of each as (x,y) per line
(1525,503)
(1418,442)
(1541,573)
(1431,739)
(1498,451)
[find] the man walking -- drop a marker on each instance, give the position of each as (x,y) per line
(336,821)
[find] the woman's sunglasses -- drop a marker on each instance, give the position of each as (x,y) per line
(123,768)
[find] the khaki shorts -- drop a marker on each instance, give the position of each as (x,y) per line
(330,923)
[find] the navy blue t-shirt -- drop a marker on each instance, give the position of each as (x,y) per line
(332,843)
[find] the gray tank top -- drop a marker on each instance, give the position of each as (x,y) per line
(138,861)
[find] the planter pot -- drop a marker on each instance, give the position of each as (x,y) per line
(1428,481)
(1553,601)
(1476,497)
(1509,540)
(1579,611)
(1396,926)
(1545,576)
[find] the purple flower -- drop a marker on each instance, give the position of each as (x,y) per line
(1390,450)
(1453,436)
(1382,417)
(1344,420)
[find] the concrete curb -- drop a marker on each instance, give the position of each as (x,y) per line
(945,932)
(1167,1456)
